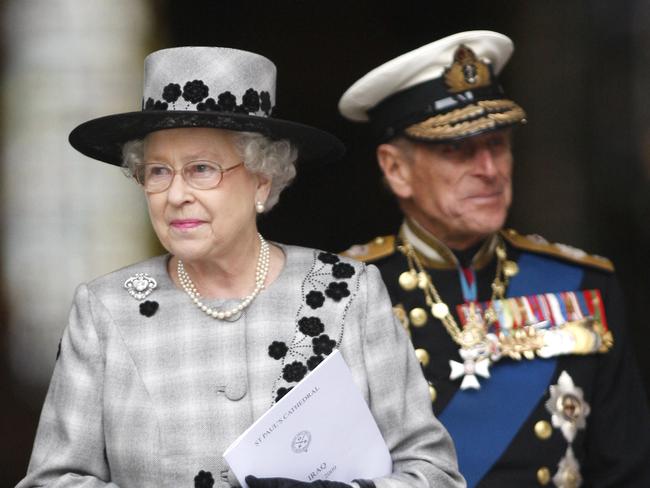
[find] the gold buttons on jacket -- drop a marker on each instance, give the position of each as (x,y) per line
(543,476)
(432,393)
(408,280)
(510,268)
(423,356)
(543,430)
(418,316)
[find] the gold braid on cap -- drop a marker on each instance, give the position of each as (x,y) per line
(487,114)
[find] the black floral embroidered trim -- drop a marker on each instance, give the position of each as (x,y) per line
(203,480)
(148,308)
(314,361)
(227,101)
(171,92)
(337,291)
(265,102)
(342,271)
(323,344)
(152,104)
(277,350)
(250,101)
(310,345)
(208,106)
(328,258)
(315,299)
(294,371)
(311,326)
(196,92)
(281,392)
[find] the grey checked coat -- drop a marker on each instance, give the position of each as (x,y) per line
(151,401)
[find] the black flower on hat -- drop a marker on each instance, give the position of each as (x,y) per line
(311,326)
(203,480)
(195,91)
(337,291)
(251,101)
(328,258)
(314,361)
(227,101)
(323,344)
(315,299)
(294,371)
(278,350)
(152,104)
(208,106)
(265,102)
(281,392)
(171,92)
(148,104)
(342,270)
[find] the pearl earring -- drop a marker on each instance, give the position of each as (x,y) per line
(259,207)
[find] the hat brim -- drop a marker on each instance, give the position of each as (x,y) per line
(104,137)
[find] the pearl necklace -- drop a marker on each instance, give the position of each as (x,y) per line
(261,270)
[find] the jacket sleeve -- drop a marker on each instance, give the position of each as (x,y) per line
(69,449)
(618,441)
(422,451)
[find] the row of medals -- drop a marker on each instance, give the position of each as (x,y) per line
(477,348)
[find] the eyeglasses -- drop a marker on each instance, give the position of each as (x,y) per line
(202,175)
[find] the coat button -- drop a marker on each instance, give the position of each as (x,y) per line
(432,393)
(543,430)
(418,316)
(408,280)
(543,476)
(423,356)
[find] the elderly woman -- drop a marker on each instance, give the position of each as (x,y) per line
(166,362)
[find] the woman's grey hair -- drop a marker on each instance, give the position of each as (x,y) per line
(271,159)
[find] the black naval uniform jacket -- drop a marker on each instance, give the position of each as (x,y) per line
(613,450)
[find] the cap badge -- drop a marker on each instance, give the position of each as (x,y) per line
(467,72)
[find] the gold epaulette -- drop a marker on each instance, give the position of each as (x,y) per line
(378,248)
(536,243)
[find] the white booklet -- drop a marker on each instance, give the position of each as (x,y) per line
(321,430)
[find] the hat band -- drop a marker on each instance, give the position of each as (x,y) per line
(469,120)
(422,101)
(194,96)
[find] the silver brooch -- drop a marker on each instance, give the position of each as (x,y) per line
(567,407)
(140,285)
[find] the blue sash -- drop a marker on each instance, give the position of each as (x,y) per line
(483,422)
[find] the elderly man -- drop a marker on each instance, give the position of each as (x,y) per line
(522,341)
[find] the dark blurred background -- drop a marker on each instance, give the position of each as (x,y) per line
(581,70)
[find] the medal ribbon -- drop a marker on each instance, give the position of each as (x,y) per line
(483,422)
(468,284)
(561,307)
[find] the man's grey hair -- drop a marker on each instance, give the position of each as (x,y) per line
(275,160)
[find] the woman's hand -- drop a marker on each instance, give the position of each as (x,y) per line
(254,482)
